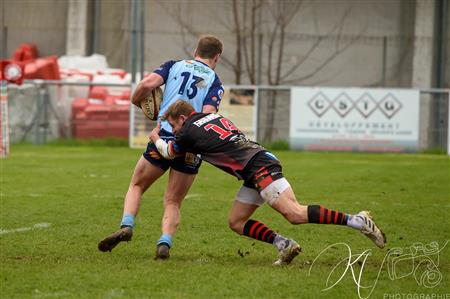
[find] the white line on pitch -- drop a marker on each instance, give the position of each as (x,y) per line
(192,195)
(24,229)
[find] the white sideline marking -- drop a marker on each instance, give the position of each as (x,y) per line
(192,195)
(116,293)
(24,229)
(54,294)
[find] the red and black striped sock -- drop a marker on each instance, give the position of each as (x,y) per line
(257,230)
(321,215)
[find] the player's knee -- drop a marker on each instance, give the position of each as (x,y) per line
(138,185)
(295,217)
(170,200)
(236,225)
(135,191)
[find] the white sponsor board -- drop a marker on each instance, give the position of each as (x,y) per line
(354,119)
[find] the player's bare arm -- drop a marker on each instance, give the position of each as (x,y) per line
(145,87)
(154,134)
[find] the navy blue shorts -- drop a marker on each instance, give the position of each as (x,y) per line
(188,163)
(263,169)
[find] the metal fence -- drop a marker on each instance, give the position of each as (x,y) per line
(273,115)
(41,111)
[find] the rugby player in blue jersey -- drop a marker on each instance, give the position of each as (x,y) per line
(223,145)
(195,82)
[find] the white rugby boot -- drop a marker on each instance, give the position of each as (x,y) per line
(288,253)
(370,229)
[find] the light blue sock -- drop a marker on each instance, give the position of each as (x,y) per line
(165,238)
(127,220)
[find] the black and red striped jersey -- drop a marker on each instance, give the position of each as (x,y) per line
(218,141)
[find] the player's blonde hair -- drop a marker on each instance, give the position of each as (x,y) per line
(208,46)
(178,108)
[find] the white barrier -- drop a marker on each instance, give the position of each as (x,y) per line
(354,119)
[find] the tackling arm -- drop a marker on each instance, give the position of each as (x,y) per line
(166,149)
(145,88)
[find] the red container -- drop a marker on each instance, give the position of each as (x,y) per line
(118,128)
(78,108)
(85,129)
(30,51)
(89,129)
(98,112)
(42,68)
(48,68)
(98,92)
(94,118)
(31,71)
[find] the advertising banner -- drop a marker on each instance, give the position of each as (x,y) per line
(354,119)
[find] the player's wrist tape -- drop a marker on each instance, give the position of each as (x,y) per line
(164,149)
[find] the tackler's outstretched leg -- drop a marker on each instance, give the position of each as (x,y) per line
(295,213)
(246,203)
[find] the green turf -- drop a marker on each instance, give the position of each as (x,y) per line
(79,191)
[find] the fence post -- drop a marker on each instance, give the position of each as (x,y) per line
(448,124)
(4,121)
(256,113)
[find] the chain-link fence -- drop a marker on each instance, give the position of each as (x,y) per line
(41,111)
(342,43)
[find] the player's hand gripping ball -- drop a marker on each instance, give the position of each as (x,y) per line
(150,105)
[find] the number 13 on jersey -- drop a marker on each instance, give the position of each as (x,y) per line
(192,88)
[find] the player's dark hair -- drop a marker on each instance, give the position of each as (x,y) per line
(208,46)
(178,108)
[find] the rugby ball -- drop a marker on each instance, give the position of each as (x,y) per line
(150,105)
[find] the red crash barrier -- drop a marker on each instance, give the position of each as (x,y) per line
(96,118)
(25,53)
(43,68)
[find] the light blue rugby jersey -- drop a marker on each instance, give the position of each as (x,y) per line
(191,81)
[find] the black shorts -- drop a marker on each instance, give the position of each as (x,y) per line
(188,163)
(262,170)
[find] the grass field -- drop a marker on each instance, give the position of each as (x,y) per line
(57,202)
